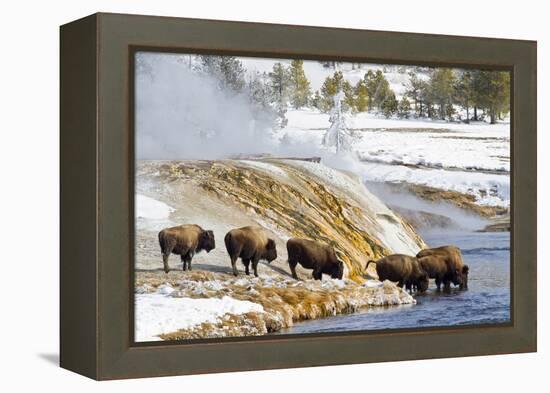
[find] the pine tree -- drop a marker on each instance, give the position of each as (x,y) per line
(361,96)
(417,91)
(441,90)
(300,86)
(348,104)
(331,86)
(390,105)
(280,83)
(404,108)
(492,92)
(463,92)
(378,88)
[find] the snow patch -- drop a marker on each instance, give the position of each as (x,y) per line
(158,314)
(150,208)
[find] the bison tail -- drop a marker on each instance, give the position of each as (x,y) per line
(227,240)
(368,263)
(161,241)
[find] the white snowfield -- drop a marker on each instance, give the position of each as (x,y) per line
(489,189)
(152,214)
(469,158)
(150,208)
(159,313)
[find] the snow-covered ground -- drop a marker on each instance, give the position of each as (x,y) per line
(159,313)
(467,158)
(152,214)
(150,208)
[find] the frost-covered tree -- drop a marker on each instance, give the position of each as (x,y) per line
(300,89)
(316,100)
(228,70)
(337,136)
(259,90)
(259,95)
(280,85)
(330,64)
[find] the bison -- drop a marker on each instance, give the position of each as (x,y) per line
(454,271)
(402,269)
(186,241)
(312,255)
(249,244)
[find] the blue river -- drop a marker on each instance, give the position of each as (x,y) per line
(487,300)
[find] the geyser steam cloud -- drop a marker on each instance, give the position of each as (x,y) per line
(183,114)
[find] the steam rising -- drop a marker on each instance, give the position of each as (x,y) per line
(183,114)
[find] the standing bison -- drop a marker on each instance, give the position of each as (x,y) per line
(403,269)
(185,241)
(249,244)
(312,255)
(446,265)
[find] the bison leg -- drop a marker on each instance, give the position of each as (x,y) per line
(183,261)
(438,283)
(234,265)
(317,274)
(246,263)
(292,265)
(255,265)
(189,258)
(166,251)
(186,260)
(165,262)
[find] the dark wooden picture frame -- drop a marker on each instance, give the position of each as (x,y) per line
(97,194)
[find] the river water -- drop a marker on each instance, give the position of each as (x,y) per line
(486,301)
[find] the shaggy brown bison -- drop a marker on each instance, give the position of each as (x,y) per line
(402,269)
(249,244)
(312,255)
(454,271)
(185,241)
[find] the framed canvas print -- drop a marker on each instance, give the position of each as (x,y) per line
(241,196)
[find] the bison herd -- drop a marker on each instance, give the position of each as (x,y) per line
(251,244)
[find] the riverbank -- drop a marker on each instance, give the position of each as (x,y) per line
(202,304)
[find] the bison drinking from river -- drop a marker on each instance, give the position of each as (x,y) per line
(249,244)
(403,269)
(186,241)
(446,265)
(312,255)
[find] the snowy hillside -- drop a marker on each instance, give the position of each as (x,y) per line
(316,73)
(472,158)
(289,198)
